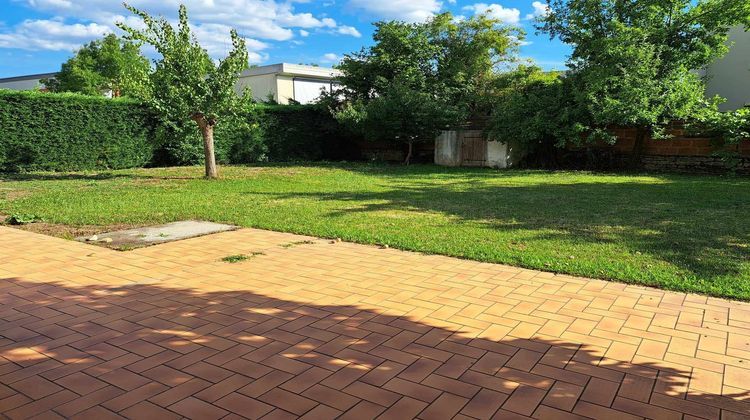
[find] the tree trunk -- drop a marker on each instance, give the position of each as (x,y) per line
(637,153)
(409,153)
(207,131)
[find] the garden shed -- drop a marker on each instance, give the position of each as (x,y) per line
(471,146)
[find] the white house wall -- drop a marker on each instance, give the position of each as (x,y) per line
(729,77)
(261,86)
(29,84)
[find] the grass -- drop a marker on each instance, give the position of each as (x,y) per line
(687,233)
(233,259)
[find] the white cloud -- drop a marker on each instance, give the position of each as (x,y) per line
(349,30)
(510,16)
(78,21)
(53,34)
(330,58)
(408,10)
(540,10)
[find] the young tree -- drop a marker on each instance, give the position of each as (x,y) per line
(420,78)
(186,83)
(106,65)
(633,62)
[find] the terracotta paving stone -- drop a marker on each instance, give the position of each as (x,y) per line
(194,408)
(363,410)
(484,404)
(524,400)
(147,410)
(244,406)
(445,407)
(338,330)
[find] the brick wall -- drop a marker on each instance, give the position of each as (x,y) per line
(680,153)
(679,145)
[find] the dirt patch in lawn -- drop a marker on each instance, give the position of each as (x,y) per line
(67,231)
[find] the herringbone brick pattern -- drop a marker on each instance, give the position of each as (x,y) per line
(324,330)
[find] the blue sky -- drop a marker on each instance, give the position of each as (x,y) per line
(36,36)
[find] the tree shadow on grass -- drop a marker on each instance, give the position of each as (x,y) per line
(253,355)
(696,225)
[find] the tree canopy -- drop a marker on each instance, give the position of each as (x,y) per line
(633,62)
(420,78)
(186,82)
(108,65)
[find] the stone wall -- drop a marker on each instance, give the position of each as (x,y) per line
(697,164)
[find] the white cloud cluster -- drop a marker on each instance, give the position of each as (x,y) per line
(79,21)
(330,58)
(510,16)
(407,10)
(52,34)
(540,10)
(349,30)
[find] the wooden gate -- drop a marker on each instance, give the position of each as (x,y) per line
(473,148)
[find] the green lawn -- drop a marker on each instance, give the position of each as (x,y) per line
(688,233)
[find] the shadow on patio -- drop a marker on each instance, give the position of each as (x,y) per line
(143,349)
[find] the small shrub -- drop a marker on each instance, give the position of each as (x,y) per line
(22,219)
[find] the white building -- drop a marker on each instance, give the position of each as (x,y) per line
(729,77)
(287,83)
(284,83)
(30,82)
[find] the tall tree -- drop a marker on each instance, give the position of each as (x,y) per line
(420,78)
(633,61)
(186,82)
(108,65)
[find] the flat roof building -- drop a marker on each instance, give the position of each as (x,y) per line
(286,83)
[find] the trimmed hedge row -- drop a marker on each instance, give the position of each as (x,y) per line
(301,132)
(65,132)
(69,131)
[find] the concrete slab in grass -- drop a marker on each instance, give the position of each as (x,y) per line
(152,235)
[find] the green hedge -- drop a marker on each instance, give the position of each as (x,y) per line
(59,132)
(65,132)
(297,132)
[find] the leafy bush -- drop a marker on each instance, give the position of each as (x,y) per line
(534,111)
(260,133)
(302,132)
(63,132)
(22,219)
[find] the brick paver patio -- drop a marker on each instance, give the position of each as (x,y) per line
(323,330)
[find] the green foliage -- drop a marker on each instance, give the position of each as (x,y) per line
(280,133)
(533,110)
(108,64)
(419,78)
(22,219)
(64,132)
(400,114)
(632,62)
(731,127)
(186,83)
(262,133)
(470,54)
(46,131)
